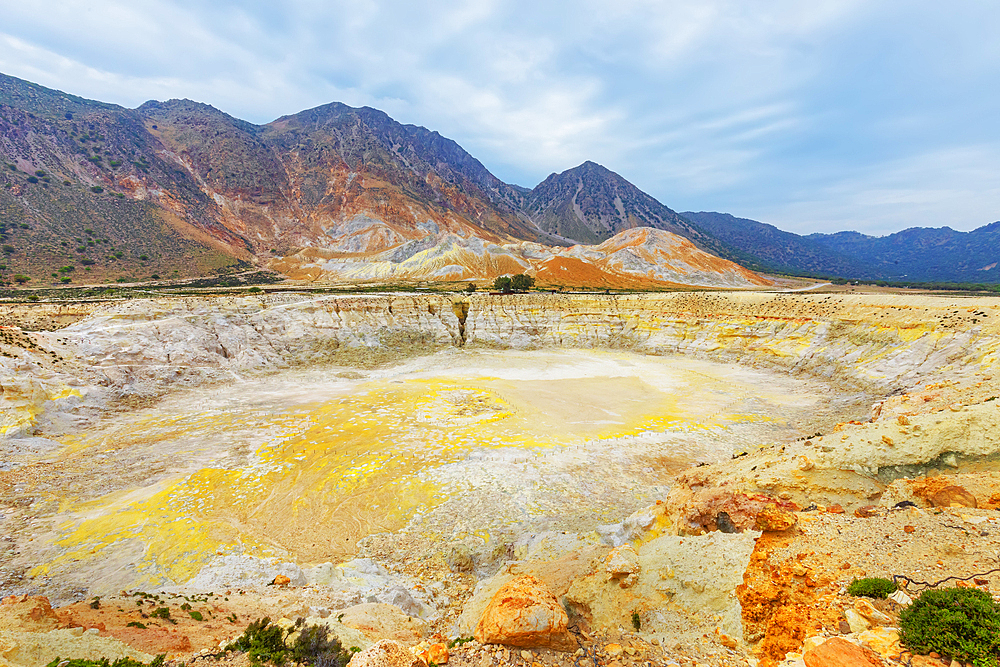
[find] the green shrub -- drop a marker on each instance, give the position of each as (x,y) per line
(196,615)
(136,624)
(8,249)
(86,261)
(263,642)
(164,613)
(21,279)
(872,587)
(32,179)
(104,662)
(97,188)
(959,623)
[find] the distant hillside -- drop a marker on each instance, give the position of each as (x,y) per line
(94,192)
(917,254)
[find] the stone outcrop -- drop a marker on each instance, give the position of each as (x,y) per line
(524,613)
(386,653)
(837,652)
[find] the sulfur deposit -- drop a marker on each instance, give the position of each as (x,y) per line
(688,474)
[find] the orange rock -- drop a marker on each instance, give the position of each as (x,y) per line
(30,613)
(432,653)
(837,652)
(835,509)
(865,512)
(386,653)
(773,519)
(281,581)
(909,529)
(524,613)
(951,496)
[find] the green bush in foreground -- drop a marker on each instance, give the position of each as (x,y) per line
(871,587)
(104,662)
(263,642)
(959,623)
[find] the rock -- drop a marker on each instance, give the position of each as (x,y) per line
(27,613)
(865,512)
(525,613)
(40,648)
(884,641)
(384,621)
(901,598)
(557,575)
(837,652)
(281,581)
(698,575)
(835,509)
(386,653)
(953,496)
(725,523)
(622,564)
(857,622)
(773,519)
(431,653)
(870,613)
(909,530)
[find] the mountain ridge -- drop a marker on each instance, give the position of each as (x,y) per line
(179,187)
(916,254)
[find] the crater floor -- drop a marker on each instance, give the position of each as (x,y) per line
(459,445)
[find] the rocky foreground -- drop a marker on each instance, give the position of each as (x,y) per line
(743,561)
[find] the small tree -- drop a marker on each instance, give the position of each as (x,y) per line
(470,288)
(503,284)
(522,282)
(21,279)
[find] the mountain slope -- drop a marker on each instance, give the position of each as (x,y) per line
(917,254)
(180,188)
(591,203)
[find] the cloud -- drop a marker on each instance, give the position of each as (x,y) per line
(791,112)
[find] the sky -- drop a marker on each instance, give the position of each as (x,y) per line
(815,116)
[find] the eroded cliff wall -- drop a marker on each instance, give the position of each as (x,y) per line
(883,344)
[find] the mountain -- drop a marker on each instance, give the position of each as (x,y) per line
(591,203)
(93,192)
(918,254)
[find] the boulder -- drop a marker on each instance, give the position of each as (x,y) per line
(525,613)
(557,575)
(774,519)
(28,613)
(622,565)
(384,621)
(837,652)
(953,496)
(385,653)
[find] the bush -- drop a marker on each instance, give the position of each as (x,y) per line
(470,288)
(104,662)
(21,279)
(39,173)
(144,257)
(959,623)
(97,188)
(872,587)
(263,642)
(8,249)
(32,179)
(87,261)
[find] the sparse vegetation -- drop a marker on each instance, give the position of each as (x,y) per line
(959,623)
(264,642)
(104,662)
(872,587)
